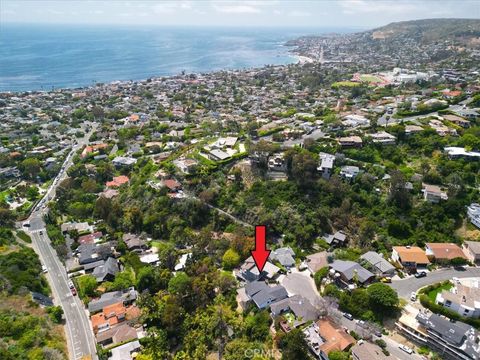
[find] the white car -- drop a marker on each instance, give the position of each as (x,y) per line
(413,296)
(44,269)
(406,349)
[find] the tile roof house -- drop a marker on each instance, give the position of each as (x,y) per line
(443,252)
(324,337)
(378,264)
(90,238)
(472,250)
(284,256)
(172,185)
(117,181)
(348,270)
(410,257)
(112,315)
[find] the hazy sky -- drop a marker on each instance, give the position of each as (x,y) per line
(340,13)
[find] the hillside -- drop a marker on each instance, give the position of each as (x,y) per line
(431,30)
(408,44)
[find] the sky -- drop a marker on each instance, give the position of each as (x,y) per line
(275,13)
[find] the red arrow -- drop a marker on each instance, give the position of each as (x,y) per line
(260,254)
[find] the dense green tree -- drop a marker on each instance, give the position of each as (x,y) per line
(293,345)
(31,167)
(230,259)
(180,284)
(338,355)
(382,298)
(56,313)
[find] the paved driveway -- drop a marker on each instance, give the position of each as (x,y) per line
(405,287)
(302,284)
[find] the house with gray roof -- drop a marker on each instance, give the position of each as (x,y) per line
(106,271)
(349,172)
(122,161)
(134,242)
(284,256)
(263,295)
(264,298)
(89,253)
(348,270)
(325,166)
(127,296)
(124,352)
(375,262)
(337,239)
(454,339)
(249,271)
(297,305)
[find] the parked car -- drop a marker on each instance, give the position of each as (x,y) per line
(386,280)
(74,291)
(406,349)
(420,274)
(70,284)
(361,323)
(26,224)
(348,316)
(413,296)
(44,269)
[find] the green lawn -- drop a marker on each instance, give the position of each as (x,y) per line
(432,295)
(370,78)
(345,84)
(3,195)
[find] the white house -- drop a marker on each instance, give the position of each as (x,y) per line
(465,300)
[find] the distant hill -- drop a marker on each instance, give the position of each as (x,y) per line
(406,43)
(466,31)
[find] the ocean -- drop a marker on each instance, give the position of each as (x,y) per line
(42,57)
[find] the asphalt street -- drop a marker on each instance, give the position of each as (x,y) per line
(80,338)
(411,284)
(392,345)
(77,325)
